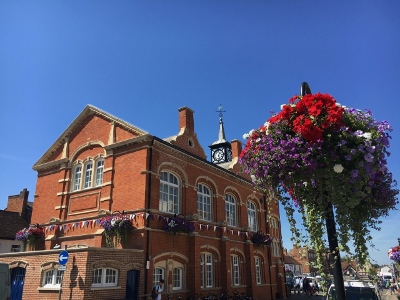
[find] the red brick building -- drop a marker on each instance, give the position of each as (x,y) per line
(102,165)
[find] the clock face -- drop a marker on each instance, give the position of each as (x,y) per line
(218,155)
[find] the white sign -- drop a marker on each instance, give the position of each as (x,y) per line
(62,268)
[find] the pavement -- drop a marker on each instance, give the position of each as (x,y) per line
(385,295)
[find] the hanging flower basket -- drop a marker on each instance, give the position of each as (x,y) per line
(116,229)
(394,254)
(261,239)
(317,154)
(30,237)
(178,223)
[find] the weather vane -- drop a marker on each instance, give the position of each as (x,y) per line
(220,111)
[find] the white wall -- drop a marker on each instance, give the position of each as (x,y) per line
(5,245)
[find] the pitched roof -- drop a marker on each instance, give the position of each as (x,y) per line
(290,260)
(10,224)
(87,111)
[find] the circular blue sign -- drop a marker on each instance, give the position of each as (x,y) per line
(63,257)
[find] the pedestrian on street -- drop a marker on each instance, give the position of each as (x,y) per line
(392,288)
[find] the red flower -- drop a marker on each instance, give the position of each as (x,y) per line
(311,115)
(310,132)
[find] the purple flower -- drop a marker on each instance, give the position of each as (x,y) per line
(369,157)
(354,173)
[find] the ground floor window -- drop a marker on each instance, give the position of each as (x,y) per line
(258,269)
(235,267)
(52,278)
(206,270)
(177,278)
(104,277)
(158,274)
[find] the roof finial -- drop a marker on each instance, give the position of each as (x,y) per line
(220,112)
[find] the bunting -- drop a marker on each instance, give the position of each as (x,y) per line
(145,216)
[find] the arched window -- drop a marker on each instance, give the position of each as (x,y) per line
(230,209)
(252,215)
(169,193)
(204,210)
(206,270)
(102,277)
(90,179)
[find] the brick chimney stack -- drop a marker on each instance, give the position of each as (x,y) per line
(236,148)
(18,203)
(186,119)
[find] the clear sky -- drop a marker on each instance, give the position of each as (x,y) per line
(142,60)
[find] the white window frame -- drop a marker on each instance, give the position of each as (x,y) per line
(105,277)
(52,278)
(235,269)
(158,273)
(177,278)
(204,204)
(257,262)
(252,215)
(99,172)
(76,183)
(169,193)
(275,248)
(231,210)
(92,173)
(206,270)
(88,175)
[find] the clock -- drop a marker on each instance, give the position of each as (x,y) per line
(218,155)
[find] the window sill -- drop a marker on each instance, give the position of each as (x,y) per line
(48,288)
(96,288)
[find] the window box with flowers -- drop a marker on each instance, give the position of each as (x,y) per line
(178,223)
(261,239)
(30,237)
(116,229)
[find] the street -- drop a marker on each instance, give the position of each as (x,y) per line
(385,296)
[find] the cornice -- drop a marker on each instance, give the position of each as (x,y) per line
(50,165)
(181,152)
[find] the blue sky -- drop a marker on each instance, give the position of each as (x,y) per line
(142,60)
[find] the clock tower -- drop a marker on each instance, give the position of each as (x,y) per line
(221,150)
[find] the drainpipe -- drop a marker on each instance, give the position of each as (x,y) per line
(148,258)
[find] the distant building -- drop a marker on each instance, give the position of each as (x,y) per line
(307,258)
(291,264)
(15,217)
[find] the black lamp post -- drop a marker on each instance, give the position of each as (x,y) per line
(334,253)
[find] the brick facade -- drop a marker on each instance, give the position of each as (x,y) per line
(133,164)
